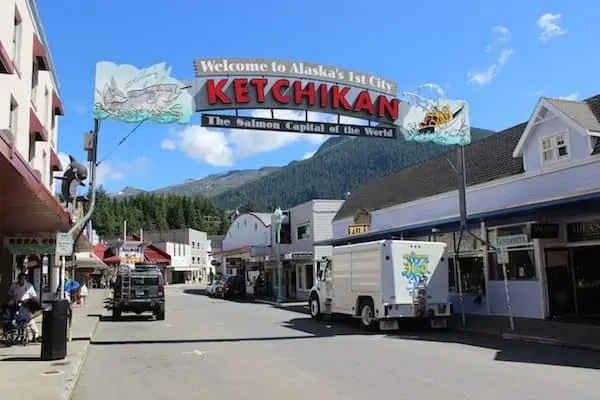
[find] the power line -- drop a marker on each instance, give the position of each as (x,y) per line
(120,143)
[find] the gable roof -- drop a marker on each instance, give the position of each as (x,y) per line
(582,116)
(486,159)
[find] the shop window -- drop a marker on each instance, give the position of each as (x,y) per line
(554,148)
(302,231)
(521,265)
(471,272)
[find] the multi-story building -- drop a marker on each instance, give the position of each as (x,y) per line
(306,224)
(189,250)
(29,100)
(29,108)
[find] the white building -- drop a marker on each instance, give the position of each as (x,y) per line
(189,250)
(29,91)
(309,222)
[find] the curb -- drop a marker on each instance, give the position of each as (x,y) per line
(70,388)
(531,339)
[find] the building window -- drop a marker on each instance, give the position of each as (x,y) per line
(521,265)
(555,148)
(255,226)
(471,273)
(17,39)
(302,231)
(34,83)
(193,260)
(14,117)
(47,113)
(31,148)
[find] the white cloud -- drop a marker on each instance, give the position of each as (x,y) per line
(168,144)
(501,35)
(572,96)
(548,23)
(221,147)
(308,155)
(491,72)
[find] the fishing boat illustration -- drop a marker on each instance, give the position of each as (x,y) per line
(438,120)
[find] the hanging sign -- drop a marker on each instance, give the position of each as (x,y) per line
(21,246)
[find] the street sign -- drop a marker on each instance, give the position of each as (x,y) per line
(64,244)
(502,255)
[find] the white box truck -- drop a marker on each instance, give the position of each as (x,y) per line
(382,282)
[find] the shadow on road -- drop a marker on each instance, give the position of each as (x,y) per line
(127,318)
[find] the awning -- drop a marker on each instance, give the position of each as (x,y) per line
(156,255)
(88,260)
(57,105)
(36,127)
(40,54)
(112,260)
(55,164)
(26,205)
(6,65)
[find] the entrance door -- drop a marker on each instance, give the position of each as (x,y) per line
(291,283)
(559,279)
(587,278)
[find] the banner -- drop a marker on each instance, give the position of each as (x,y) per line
(127,94)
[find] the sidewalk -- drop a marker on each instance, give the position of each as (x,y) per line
(23,371)
(562,334)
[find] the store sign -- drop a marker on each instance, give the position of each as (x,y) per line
(281,125)
(259,250)
(21,246)
(583,231)
(545,231)
(358,229)
(301,256)
(512,240)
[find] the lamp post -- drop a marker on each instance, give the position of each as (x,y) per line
(278,214)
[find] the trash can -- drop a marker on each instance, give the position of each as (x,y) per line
(54,331)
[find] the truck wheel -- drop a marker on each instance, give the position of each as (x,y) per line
(367,315)
(315,308)
(116,312)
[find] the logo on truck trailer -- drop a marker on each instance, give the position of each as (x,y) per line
(416,268)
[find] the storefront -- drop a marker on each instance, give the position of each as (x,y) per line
(572,272)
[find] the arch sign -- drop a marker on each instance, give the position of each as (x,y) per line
(128,94)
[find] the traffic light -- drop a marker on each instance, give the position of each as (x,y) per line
(73,177)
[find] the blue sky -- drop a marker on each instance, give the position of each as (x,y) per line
(498,56)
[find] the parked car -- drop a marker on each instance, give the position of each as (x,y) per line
(215,288)
(235,286)
(140,289)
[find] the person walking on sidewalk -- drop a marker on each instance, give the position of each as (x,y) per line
(83,294)
(23,292)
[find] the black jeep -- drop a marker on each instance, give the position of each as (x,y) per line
(140,289)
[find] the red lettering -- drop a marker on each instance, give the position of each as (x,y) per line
(323,95)
(338,97)
(260,84)
(277,91)
(308,92)
(215,92)
(240,90)
(386,108)
(363,103)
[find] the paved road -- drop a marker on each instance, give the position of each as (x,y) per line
(219,349)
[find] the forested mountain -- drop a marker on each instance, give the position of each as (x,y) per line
(208,186)
(153,212)
(340,165)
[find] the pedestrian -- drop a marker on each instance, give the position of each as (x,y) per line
(83,293)
(23,291)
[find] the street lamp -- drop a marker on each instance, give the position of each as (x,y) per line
(278,214)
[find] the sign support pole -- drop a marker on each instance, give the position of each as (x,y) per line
(61,276)
(81,223)
(464,226)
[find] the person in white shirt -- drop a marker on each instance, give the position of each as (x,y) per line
(83,294)
(21,291)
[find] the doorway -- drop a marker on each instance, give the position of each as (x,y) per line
(586,276)
(559,281)
(290,283)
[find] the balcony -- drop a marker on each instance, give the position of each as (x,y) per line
(57,105)
(6,65)
(36,127)
(40,54)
